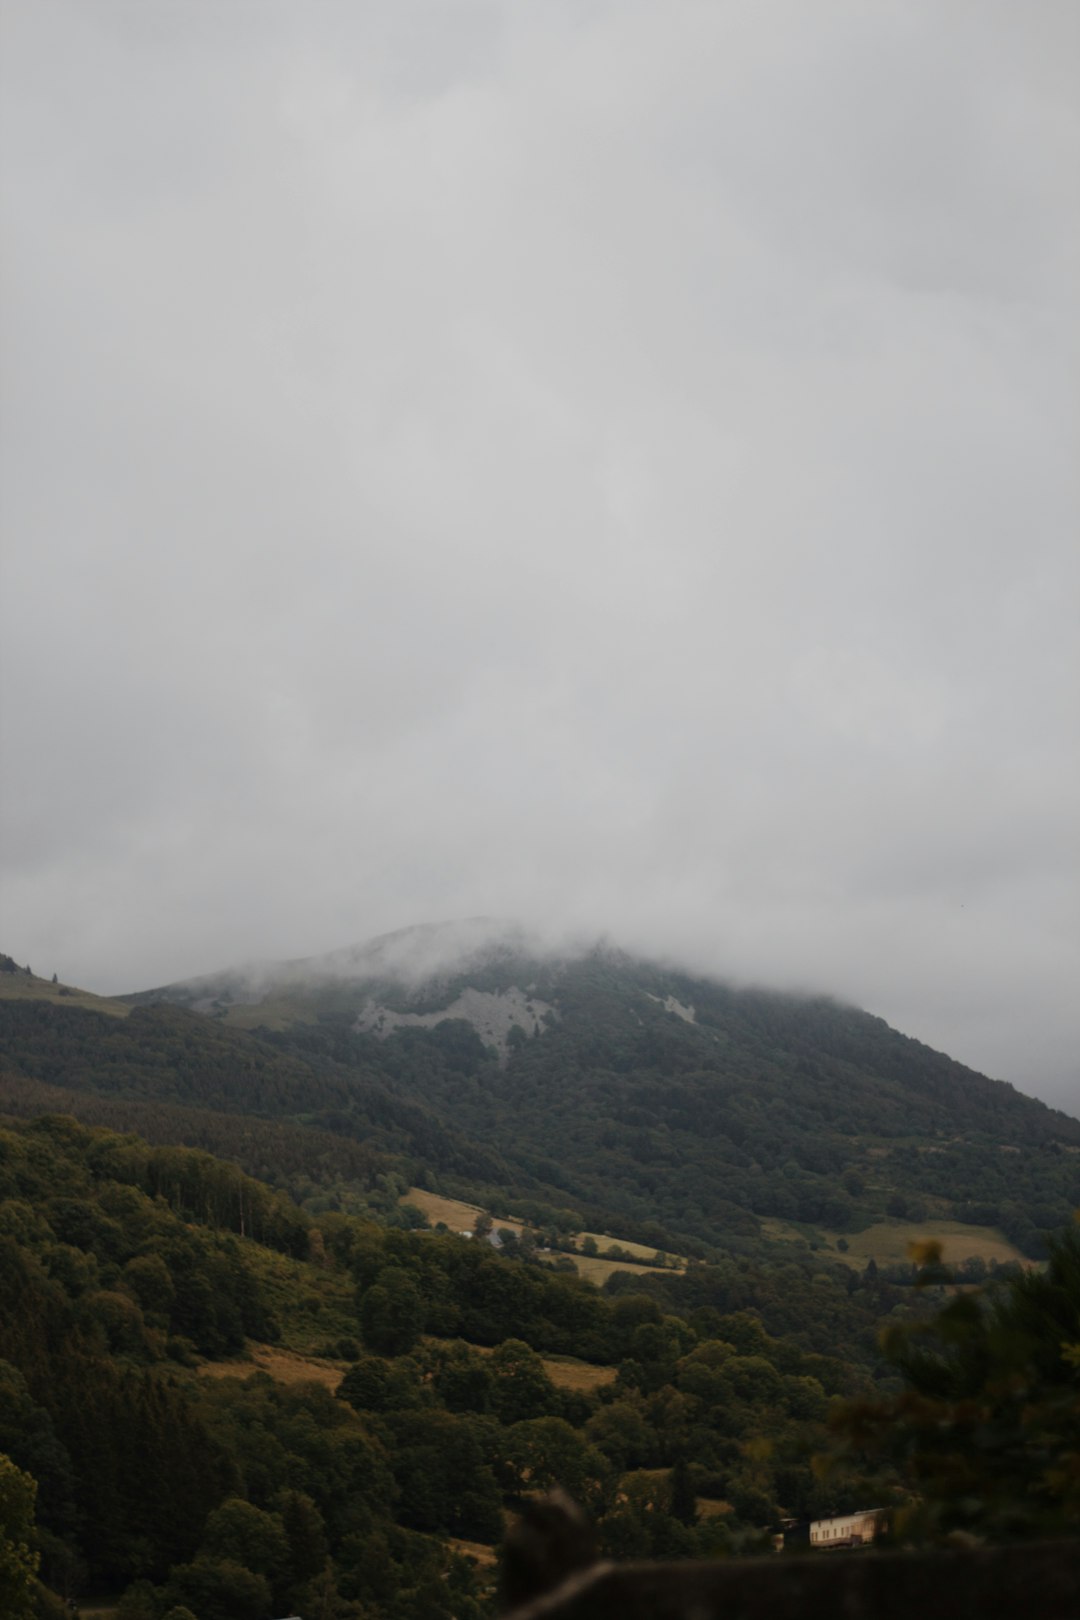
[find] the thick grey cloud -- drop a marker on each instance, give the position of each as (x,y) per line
(605,463)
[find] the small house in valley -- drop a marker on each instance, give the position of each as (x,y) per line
(857,1529)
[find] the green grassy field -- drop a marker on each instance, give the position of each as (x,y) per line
(888,1242)
(25,987)
(597,1270)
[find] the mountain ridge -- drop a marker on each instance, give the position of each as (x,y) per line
(427,962)
(643,1090)
(518,1071)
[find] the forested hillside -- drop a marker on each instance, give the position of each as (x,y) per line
(762,1107)
(682,1109)
(228,1084)
(241,1380)
(123,1267)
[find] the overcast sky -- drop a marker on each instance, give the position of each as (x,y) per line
(610,463)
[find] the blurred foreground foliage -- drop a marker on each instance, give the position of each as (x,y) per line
(984,1438)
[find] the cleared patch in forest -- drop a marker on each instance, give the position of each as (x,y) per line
(887,1242)
(640,1251)
(284,1366)
(454,1212)
(459,1216)
(597,1270)
(484,1556)
(566,1372)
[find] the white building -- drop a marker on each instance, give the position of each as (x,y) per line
(848,1530)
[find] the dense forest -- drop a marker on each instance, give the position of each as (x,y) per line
(129,1271)
(124,1267)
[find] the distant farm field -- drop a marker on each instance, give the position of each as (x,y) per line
(461,1217)
(596,1270)
(287,1367)
(888,1242)
(453,1212)
(568,1373)
(604,1240)
(481,1554)
(284,1366)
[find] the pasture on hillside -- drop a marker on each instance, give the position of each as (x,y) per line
(284,1367)
(595,1269)
(461,1217)
(640,1251)
(888,1243)
(287,1367)
(453,1212)
(22,986)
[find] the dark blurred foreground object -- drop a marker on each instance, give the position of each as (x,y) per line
(550,1550)
(550,1542)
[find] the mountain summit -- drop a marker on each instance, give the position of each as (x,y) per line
(587,1076)
(478,969)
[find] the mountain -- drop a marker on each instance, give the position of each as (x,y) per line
(176,1077)
(629,1090)
(396,978)
(761,1137)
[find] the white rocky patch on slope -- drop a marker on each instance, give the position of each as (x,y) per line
(492,1013)
(671,1004)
